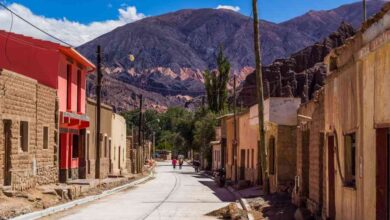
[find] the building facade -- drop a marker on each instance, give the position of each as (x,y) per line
(63,69)
(98,168)
(357,121)
(280,116)
(310,185)
(216,150)
(28,127)
(118,149)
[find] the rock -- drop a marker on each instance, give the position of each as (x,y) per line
(300,75)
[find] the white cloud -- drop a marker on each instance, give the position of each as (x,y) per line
(229,7)
(72,32)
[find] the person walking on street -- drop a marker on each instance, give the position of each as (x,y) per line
(174,161)
(180,163)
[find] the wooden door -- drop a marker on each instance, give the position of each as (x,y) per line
(331,178)
(382,173)
(7,152)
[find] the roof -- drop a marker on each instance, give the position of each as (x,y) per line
(66,50)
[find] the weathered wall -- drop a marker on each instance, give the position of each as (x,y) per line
(357,101)
(26,100)
(105,130)
(311,119)
(118,148)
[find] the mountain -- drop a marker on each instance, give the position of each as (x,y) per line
(299,75)
(172,50)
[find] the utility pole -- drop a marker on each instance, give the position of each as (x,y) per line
(235,130)
(364,11)
(262,168)
(98,109)
(139,135)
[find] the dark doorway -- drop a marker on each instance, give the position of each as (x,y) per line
(305,162)
(242,165)
(382,173)
(119,158)
(331,178)
(82,155)
(7,152)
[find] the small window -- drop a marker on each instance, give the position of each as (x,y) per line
(105,146)
(350,160)
(68,86)
(114,153)
(24,136)
(272,156)
(45,137)
(109,146)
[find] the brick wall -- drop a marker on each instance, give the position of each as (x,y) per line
(26,100)
(312,171)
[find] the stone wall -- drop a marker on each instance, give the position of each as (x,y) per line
(26,100)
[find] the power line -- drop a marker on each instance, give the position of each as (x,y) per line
(48,34)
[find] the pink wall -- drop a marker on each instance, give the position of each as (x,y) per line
(43,61)
(62,86)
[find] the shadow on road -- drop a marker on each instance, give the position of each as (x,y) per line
(222,193)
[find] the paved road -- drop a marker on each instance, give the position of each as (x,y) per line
(173,194)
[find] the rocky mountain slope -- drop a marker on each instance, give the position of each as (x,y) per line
(300,75)
(172,50)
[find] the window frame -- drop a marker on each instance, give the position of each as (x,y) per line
(350,169)
(24,144)
(45,137)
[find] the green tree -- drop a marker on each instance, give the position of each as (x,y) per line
(216,84)
(205,133)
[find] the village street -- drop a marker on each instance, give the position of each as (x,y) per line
(172,194)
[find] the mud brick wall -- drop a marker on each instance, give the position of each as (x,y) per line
(25,100)
(286,154)
(314,168)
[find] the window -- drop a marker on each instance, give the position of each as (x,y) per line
(23,136)
(45,137)
(114,153)
(271,156)
(87,154)
(105,146)
(68,86)
(350,159)
(109,146)
(78,90)
(75,146)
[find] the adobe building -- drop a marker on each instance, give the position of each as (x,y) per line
(357,122)
(118,149)
(28,127)
(101,170)
(63,69)
(280,116)
(310,184)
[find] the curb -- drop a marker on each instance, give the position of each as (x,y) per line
(244,203)
(66,206)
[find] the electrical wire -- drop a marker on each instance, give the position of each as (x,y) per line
(45,32)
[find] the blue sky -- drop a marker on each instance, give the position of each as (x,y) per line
(86,11)
(79,21)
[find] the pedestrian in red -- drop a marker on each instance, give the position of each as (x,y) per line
(174,161)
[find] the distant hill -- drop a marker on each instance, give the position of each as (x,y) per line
(172,50)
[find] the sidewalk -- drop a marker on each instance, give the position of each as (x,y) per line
(13,203)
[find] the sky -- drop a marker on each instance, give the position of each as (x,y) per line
(79,21)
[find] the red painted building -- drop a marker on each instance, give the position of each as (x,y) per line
(64,69)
